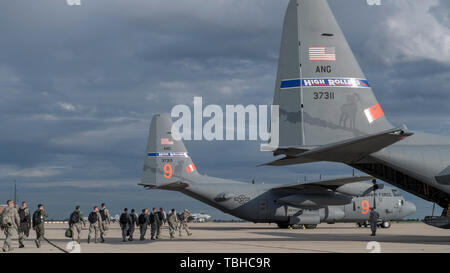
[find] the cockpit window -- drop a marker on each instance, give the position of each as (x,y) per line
(396,192)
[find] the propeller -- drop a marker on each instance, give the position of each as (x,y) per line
(375,187)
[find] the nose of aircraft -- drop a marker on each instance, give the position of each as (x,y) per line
(409,208)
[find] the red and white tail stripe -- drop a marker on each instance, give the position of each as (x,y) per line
(190,168)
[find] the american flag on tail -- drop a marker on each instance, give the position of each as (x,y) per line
(322,53)
(166,141)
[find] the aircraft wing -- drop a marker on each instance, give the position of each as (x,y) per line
(349,150)
(344,185)
(331,184)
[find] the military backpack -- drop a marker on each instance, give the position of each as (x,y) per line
(141,219)
(75,217)
(151,218)
(37,220)
(22,215)
(103,214)
(123,219)
(93,217)
(133,218)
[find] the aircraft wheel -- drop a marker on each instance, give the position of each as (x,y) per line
(386,224)
(311,226)
(283,225)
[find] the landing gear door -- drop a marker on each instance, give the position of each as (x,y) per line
(263,209)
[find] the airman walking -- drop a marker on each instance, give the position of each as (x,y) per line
(76,223)
(183,222)
(154,224)
(9,223)
(95,224)
(39,225)
(25,223)
(373,219)
(106,221)
(173,222)
(143,221)
(125,223)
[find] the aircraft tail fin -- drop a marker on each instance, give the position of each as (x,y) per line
(322,93)
(167,163)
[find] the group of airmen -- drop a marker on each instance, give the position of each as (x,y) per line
(156,219)
(98,219)
(18,220)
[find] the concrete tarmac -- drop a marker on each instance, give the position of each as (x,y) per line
(255,238)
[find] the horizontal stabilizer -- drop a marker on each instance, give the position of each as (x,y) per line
(171,186)
(346,151)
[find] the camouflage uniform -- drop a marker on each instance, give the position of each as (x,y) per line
(125,226)
(183,223)
(172,221)
(95,228)
(25,226)
(77,227)
(154,225)
(105,223)
(40,228)
(11,220)
(143,226)
(133,224)
(159,223)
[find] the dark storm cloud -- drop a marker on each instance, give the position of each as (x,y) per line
(442,12)
(405,55)
(80,84)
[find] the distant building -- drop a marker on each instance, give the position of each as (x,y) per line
(2,207)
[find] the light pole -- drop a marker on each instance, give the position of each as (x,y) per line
(15,192)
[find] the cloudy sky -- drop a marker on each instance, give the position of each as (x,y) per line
(79,85)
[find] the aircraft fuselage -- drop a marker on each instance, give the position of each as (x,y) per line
(415,166)
(260,204)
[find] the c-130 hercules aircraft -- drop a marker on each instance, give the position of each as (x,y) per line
(168,166)
(328,112)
